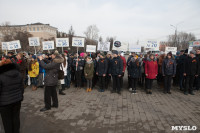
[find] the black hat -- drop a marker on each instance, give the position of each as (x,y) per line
(10,52)
(115,52)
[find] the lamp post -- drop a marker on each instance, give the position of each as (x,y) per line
(175,36)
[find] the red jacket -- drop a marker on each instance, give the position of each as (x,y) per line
(124,63)
(151,68)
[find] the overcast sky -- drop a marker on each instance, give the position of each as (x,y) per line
(127,20)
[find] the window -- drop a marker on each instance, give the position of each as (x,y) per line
(29,29)
(37,28)
(41,28)
(33,28)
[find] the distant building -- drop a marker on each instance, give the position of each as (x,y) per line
(43,31)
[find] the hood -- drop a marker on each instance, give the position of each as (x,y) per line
(58,59)
(89,62)
(8,68)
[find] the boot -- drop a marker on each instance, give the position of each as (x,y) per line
(148,91)
(87,90)
(90,89)
(61,92)
(33,88)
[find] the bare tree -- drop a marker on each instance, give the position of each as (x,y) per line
(92,32)
(100,39)
(111,40)
(182,40)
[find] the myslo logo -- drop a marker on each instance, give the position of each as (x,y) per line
(184,128)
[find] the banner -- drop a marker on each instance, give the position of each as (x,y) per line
(120,46)
(78,42)
(4,45)
(153,45)
(62,42)
(103,46)
(14,45)
(134,48)
(48,45)
(190,49)
(171,49)
(34,41)
(194,43)
(91,48)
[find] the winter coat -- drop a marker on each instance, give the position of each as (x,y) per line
(109,63)
(102,66)
(124,63)
(151,68)
(51,70)
(134,69)
(11,84)
(80,61)
(169,67)
(35,70)
(64,68)
(89,70)
(180,63)
(69,62)
(191,66)
(116,66)
(22,66)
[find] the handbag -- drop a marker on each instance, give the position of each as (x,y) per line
(61,74)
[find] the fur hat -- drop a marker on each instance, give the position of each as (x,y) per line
(192,52)
(56,53)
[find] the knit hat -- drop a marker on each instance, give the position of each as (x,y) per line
(178,53)
(115,52)
(66,51)
(192,52)
(34,57)
(56,53)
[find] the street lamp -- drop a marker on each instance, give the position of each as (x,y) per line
(175,36)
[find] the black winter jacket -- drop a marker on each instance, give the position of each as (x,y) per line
(81,63)
(134,70)
(116,66)
(191,66)
(102,67)
(11,84)
(52,68)
(169,67)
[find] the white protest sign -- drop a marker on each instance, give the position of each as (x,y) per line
(4,45)
(34,41)
(190,49)
(91,48)
(14,45)
(47,45)
(171,49)
(103,46)
(120,46)
(153,44)
(78,42)
(62,42)
(196,43)
(134,48)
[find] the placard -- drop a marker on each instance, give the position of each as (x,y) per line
(34,41)
(4,45)
(153,44)
(14,45)
(78,42)
(171,49)
(91,48)
(120,46)
(48,45)
(103,46)
(62,42)
(134,48)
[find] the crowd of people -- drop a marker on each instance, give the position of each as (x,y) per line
(57,71)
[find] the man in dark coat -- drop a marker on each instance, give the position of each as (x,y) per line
(51,80)
(116,70)
(191,70)
(127,64)
(108,77)
(11,95)
(102,67)
(197,84)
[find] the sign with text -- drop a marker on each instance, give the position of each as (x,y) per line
(91,48)
(14,45)
(4,45)
(62,42)
(134,48)
(48,45)
(171,49)
(190,49)
(103,46)
(78,42)
(34,41)
(153,44)
(120,46)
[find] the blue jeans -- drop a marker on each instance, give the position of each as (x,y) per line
(68,79)
(33,81)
